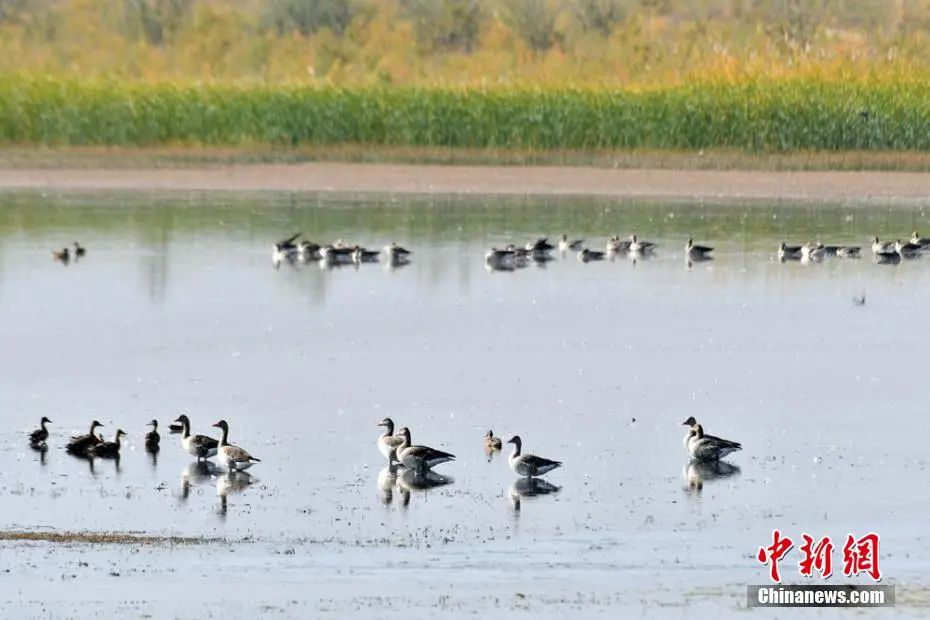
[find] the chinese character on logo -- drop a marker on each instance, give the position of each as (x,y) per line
(861,556)
(775,552)
(817,557)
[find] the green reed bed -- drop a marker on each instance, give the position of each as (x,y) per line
(796,114)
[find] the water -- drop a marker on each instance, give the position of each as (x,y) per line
(177,308)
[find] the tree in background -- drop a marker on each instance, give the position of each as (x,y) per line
(309,16)
(533,21)
(600,16)
(155,20)
(448,25)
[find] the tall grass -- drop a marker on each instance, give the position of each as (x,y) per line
(773,115)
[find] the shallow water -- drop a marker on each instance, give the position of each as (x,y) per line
(178,308)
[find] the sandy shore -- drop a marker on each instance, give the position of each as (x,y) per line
(500,180)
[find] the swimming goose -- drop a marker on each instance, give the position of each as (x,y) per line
(641,247)
(906,250)
(847,251)
(498,256)
(308,251)
(541,245)
(201,446)
(78,250)
(789,252)
(419,458)
(107,449)
(813,251)
(152,438)
(529,465)
(286,245)
(697,252)
(233,458)
(881,246)
(81,443)
(703,447)
(615,245)
(361,255)
(62,255)
(566,245)
(916,239)
(587,255)
(39,435)
(491,442)
(336,254)
(388,442)
(887,257)
(396,253)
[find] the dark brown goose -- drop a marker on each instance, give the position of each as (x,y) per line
(152,438)
(107,449)
(39,435)
(81,443)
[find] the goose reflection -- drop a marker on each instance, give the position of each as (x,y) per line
(690,261)
(410,481)
(387,480)
(42,450)
(696,473)
(196,472)
(230,483)
(529,487)
(393,264)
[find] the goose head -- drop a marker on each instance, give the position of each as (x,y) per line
(94,425)
(915,236)
(388,422)
(689,422)
(183,419)
(222,425)
(405,433)
(45,420)
(516,441)
(875,239)
(153,424)
(119,433)
(489,434)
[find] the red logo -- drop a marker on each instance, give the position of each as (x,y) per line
(817,557)
(774,553)
(859,556)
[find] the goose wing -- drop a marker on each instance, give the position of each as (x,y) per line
(287,242)
(701,249)
(426,453)
(38,435)
(723,443)
(538,462)
(238,455)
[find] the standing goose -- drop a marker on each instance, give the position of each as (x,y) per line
(38,436)
(107,449)
(62,255)
(491,442)
(233,458)
(201,446)
(566,245)
(703,447)
(697,252)
(641,247)
(152,438)
(78,250)
(388,442)
(419,458)
(529,465)
(81,443)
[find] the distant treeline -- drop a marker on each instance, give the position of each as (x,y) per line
(454,42)
(784,115)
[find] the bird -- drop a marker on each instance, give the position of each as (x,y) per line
(859,301)
(565,244)
(906,250)
(337,253)
(641,247)
(697,252)
(201,446)
(307,250)
(540,246)
(703,447)
(233,458)
(38,436)
(916,239)
(107,449)
(587,255)
(491,442)
(499,256)
(79,444)
(62,255)
(78,250)
(152,438)
(529,465)
(388,442)
(788,252)
(881,246)
(847,251)
(813,251)
(361,255)
(616,245)
(887,257)
(286,248)
(396,253)
(419,458)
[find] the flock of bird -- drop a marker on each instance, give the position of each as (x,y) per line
(339,252)
(65,254)
(92,445)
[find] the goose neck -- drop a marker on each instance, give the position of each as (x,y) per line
(224,441)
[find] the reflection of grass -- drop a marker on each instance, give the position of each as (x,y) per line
(102,538)
(712,159)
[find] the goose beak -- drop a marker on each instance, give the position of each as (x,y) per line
(217,425)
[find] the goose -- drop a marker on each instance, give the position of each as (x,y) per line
(388,442)
(38,436)
(703,447)
(641,247)
(566,245)
(887,257)
(491,442)
(518,253)
(916,239)
(846,251)
(615,245)
(541,245)
(307,250)
(107,449)
(81,443)
(697,252)
(78,250)
(529,465)
(152,438)
(286,246)
(175,428)
(419,458)
(587,255)
(906,250)
(498,256)
(201,446)
(361,255)
(813,251)
(336,254)
(881,246)
(62,255)
(788,252)
(233,458)
(396,253)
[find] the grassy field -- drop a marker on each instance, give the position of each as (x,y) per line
(773,116)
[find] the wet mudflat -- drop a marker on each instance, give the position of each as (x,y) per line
(177,308)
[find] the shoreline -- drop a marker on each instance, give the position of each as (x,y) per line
(427,179)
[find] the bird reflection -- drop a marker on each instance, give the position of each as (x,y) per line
(197,472)
(410,481)
(696,473)
(392,264)
(690,261)
(153,455)
(387,479)
(231,483)
(42,449)
(87,459)
(529,487)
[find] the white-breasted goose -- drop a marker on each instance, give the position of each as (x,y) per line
(388,441)
(704,447)
(201,446)
(233,458)
(419,458)
(528,465)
